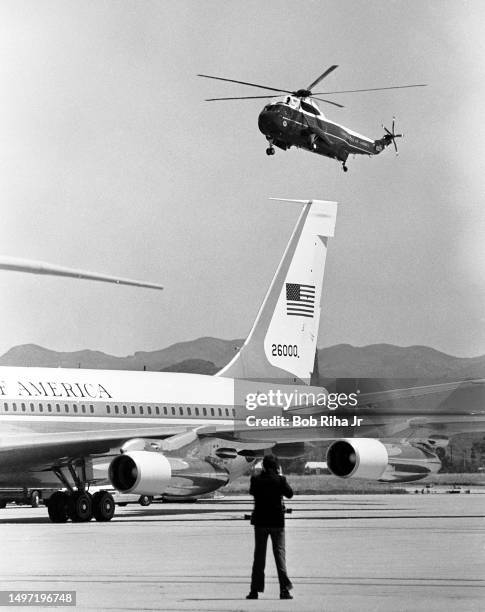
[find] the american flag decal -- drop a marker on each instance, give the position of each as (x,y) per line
(300,300)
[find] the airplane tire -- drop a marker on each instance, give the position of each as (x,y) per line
(81,508)
(58,507)
(35,499)
(103,506)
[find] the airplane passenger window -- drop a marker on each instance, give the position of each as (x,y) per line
(204,411)
(66,408)
(212,412)
(117,410)
(5,406)
(157,409)
(108,409)
(31,407)
(58,408)
(165,411)
(220,411)
(125,410)
(149,410)
(181,411)
(189,411)
(49,407)
(141,409)
(173,409)
(83,408)
(91,409)
(75,407)
(196,411)
(41,408)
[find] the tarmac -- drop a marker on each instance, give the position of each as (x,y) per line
(387,553)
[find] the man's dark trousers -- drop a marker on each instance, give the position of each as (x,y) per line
(277,535)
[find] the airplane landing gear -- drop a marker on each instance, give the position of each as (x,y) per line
(103,506)
(270,151)
(81,510)
(58,507)
(78,504)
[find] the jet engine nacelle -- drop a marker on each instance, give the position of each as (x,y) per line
(370,459)
(141,472)
(357,458)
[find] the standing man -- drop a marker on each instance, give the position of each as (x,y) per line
(268,518)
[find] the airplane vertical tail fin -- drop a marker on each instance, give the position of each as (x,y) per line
(282,343)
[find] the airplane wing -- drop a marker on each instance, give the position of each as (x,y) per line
(446,408)
(44,451)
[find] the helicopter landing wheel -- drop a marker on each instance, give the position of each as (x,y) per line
(270,151)
(344,167)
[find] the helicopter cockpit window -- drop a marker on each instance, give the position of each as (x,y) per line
(309,108)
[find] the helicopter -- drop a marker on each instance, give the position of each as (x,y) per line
(295,120)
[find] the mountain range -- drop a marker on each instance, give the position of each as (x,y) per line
(394,366)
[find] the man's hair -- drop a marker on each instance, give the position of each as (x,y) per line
(271,463)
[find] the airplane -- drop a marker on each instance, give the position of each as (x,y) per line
(185,435)
(296,121)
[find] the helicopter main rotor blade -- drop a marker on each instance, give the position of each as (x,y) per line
(206,76)
(30,266)
(241,98)
(326,93)
(322,76)
(329,102)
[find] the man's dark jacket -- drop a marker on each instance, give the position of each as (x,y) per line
(268,489)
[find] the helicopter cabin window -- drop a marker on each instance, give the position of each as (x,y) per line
(309,108)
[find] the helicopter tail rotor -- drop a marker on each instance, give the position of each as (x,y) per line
(390,136)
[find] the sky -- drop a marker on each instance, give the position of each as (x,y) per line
(112,161)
